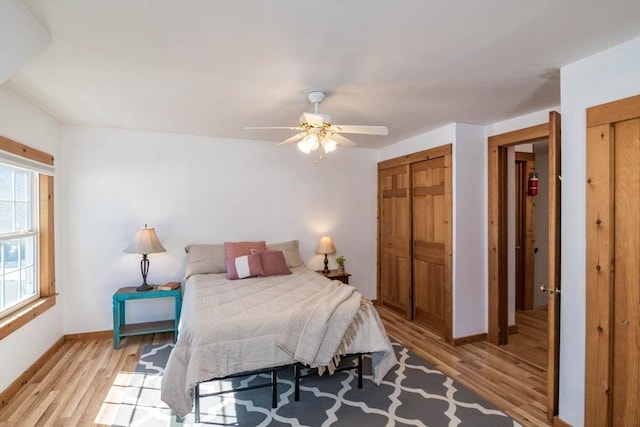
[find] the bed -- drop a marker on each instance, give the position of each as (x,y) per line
(230,327)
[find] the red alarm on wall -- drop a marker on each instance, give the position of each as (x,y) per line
(533,184)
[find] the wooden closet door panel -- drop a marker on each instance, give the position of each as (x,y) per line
(432,298)
(626,321)
(612,327)
(395,239)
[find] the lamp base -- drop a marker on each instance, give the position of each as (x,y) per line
(326,265)
(144,287)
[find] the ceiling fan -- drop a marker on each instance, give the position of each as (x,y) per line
(316,130)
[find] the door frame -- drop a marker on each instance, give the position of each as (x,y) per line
(498,198)
(498,272)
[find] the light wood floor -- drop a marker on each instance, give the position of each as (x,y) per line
(512,377)
(82,384)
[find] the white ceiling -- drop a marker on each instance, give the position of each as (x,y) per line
(214,67)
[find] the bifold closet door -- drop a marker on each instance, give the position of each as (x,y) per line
(431,237)
(395,239)
(625,388)
(612,371)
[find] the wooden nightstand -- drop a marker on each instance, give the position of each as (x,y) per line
(334,275)
(121,329)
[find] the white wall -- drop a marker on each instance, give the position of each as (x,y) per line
(24,123)
(469,274)
(607,76)
(520,122)
(21,37)
(201,190)
(434,138)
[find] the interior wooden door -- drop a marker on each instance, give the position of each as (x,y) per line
(394,230)
(431,238)
(625,390)
(612,377)
(553,286)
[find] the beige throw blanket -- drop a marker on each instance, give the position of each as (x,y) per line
(320,328)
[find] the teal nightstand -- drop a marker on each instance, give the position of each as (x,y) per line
(121,329)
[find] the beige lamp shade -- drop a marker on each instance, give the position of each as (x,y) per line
(145,242)
(326,246)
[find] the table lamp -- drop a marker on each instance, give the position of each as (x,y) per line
(326,247)
(145,242)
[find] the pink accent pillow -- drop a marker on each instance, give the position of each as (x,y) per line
(273,263)
(244,266)
(236,249)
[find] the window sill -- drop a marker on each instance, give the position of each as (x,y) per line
(24,315)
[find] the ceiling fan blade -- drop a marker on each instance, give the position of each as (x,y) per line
(341,140)
(294,138)
(272,127)
(367,130)
(313,119)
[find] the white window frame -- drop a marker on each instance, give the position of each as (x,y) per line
(32,232)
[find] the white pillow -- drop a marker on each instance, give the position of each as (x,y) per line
(291,253)
(204,259)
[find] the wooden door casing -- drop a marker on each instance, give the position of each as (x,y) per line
(430,218)
(612,371)
(498,273)
(394,232)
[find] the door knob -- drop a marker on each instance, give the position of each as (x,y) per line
(552,291)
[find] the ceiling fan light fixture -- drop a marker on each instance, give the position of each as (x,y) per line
(316,129)
(328,145)
(304,147)
(311,141)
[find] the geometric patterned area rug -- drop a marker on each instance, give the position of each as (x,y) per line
(412,394)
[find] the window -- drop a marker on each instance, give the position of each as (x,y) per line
(27,250)
(18,237)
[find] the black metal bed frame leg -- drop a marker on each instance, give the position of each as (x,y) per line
(274,389)
(296,370)
(197,398)
(360,370)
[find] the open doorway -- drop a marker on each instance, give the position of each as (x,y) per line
(528,251)
(499,247)
(528,226)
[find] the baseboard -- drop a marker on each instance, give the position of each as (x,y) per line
(513,329)
(99,335)
(557,422)
(468,339)
(15,386)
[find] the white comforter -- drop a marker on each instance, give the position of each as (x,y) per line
(229,327)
